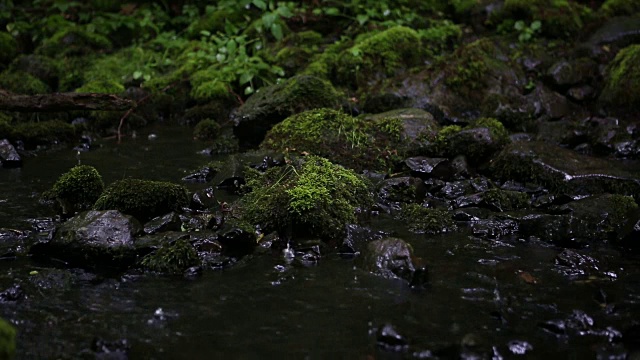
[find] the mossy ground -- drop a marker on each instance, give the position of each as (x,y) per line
(425,220)
(314,198)
(144,199)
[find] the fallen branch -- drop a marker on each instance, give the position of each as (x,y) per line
(62,102)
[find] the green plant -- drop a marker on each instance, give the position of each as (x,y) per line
(206,129)
(527,32)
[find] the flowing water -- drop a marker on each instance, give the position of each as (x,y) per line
(493,298)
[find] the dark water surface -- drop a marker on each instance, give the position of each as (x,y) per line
(494,297)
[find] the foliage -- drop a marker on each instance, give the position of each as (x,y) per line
(143,199)
(315,198)
(77,189)
(7,340)
(527,32)
(172,258)
(620,7)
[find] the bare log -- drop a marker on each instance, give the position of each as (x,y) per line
(63,102)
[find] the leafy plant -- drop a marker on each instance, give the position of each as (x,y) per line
(527,32)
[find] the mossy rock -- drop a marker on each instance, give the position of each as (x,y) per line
(440,36)
(477,141)
(420,219)
(296,50)
(274,103)
(143,199)
(380,55)
(44,68)
(77,189)
(505,200)
(8,48)
(622,81)
(620,7)
(357,143)
(559,18)
(102,87)
(44,132)
(23,83)
(172,258)
(206,129)
(7,340)
(73,41)
(312,198)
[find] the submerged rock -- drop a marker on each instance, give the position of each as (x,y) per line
(9,157)
(391,258)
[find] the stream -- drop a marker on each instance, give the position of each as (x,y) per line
(485,299)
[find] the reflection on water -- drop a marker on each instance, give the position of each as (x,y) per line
(499,299)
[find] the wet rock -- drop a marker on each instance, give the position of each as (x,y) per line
(424,167)
(455,189)
(416,123)
(110,350)
(564,171)
(231,175)
(564,73)
(581,93)
(236,241)
(519,347)
(13,293)
(392,192)
(356,239)
(203,175)
(391,258)
(549,105)
(380,103)
(555,327)
(199,222)
(168,222)
(204,199)
(629,235)
(389,339)
(494,229)
(9,157)
(576,264)
(93,239)
(273,104)
(420,219)
(617,32)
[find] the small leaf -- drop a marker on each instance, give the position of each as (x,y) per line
(519,25)
(137,75)
(232,46)
(147,77)
(332,11)
(248,90)
(536,25)
(205,33)
(362,19)
(245,78)
(260,4)
(284,12)
(220,57)
(276,31)
(268,19)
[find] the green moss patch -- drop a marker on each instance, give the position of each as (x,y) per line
(315,198)
(77,189)
(44,132)
(622,80)
(7,340)
(424,220)
(144,199)
(172,258)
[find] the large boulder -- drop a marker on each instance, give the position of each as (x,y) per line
(9,157)
(94,239)
(622,81)
(274,103)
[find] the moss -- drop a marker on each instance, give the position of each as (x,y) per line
(144,199)
(497,130)
(72,41)
(621,209)
(77,189)
(44,132)
(206,129)
(102,87)
(620,7)
(560,18)
(323,65)
(296,50)
(440,143)
(20,82)
(8,48)
(315,198)
(382,54)
(349,141)
(622,79)
(468,66)
(7,340)
(505,200)
(424,220)
(439,36)
(172,258)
